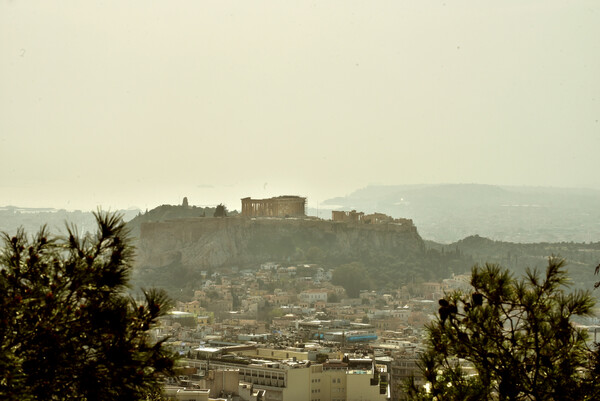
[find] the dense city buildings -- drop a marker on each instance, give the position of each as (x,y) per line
(293,335)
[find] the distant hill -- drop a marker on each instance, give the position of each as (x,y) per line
(31,219)
(581,258)
(447,213)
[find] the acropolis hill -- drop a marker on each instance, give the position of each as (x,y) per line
(206,242)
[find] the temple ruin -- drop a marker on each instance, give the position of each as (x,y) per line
(351,216)
(359,217)
(280,206)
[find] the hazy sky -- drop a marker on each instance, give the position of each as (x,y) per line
(139,103)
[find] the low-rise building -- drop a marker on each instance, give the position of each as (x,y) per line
(313,295)
(304,381)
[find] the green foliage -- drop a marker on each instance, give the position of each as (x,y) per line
(213,295)
(220,211)
(267,312)
(275,312)
(353,278)
(177,280)
(321,358)
(510,339)
(333,298)
(68,331)
(315,254)
(582,257)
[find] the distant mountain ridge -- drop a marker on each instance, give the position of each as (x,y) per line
(31,219)
(448,212)
(581,258)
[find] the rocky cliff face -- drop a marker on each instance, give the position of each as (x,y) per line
(214,242)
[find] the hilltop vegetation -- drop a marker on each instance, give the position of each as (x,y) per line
(581,257)
(171,212)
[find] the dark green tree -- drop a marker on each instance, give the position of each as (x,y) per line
(510,339)
(321,358)
(333,298)
(353,277)
(315,254)
(67,329)
(220,211)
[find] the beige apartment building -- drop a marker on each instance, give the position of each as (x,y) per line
(303,381)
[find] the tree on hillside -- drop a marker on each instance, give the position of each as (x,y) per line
(510,339)
(353,277)
(68,330)
(220,211)
(315,254)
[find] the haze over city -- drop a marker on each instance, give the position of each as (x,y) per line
(135,104)
(299,201)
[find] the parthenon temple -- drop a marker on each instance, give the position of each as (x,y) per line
(280,206)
